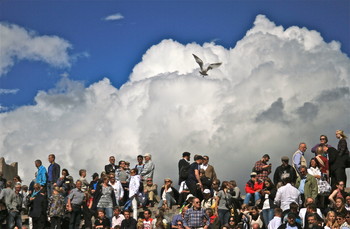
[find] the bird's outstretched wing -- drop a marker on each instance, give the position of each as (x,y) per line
(199,61)
(215,65)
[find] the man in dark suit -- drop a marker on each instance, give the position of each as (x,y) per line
(337,165)
(184,165)
(53,173)
(111,167)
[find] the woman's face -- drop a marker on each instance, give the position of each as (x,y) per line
(331,217)
(341,185)
(267,184)
(337,135)
(313,163)
(231,221)
(338,203)
(64,173)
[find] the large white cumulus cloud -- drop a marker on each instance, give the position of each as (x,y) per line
(275,88)
(17,43)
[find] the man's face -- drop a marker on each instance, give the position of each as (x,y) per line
(78,185)
(111,160)
(140,160)
(51,159)
(147,215)
(196,203)
(149,182)
(302,148)
(253,178)
(348,200)
(122,164)
(116,212)
(340,220)
(18,188)
(127,215)
(265,159)
(147,158)
(291,220)
(303,171)
(205,161)
(311,220)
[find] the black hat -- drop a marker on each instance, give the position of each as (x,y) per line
(186,154)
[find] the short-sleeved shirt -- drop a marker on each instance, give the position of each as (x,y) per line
(191,175)
(223,197)
(76,196)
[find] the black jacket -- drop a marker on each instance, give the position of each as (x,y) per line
(110,168)
(128,223)
(335,160)
(38,206)
(175,193)
(98,194)
(284,169)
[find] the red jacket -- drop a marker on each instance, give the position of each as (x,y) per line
(252,187)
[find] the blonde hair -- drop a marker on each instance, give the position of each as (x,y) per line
(341,133)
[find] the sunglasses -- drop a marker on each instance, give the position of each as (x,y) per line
(322,139)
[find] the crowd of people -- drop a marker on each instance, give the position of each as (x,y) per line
(297,195)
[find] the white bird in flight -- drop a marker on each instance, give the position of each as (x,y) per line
(204,71)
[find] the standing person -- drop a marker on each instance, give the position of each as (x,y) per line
(263,169)
(111,167)
(286,195)
(323,140)
(298,157)
(277,219)
(56,208)
(105,198)
(253,188)
(85,183)
(183,166)
(41,174)
(283,171)
(75,202)
(53,173)
(337,165)
(342,144)
(134,186)
(117,187)
(65,182)
(209,169)
(267,205)
(196,216)
(306,184)
(38,207)
(148,169)
(13,203)
(139,166)
(193,180)
(222,199)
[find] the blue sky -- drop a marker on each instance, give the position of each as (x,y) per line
(111,49)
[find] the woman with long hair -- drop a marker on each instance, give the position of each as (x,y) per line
(342,144)
(267,201)
(339,192)
(222,199)
(105,198)
(168,195)
(330,222)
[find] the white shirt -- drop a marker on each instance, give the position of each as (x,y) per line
(134,185)
(118,190)
(275,223)
(302,214)
(203,166)
(117,221)
(286,195)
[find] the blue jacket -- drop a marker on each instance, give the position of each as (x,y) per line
(41,177)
